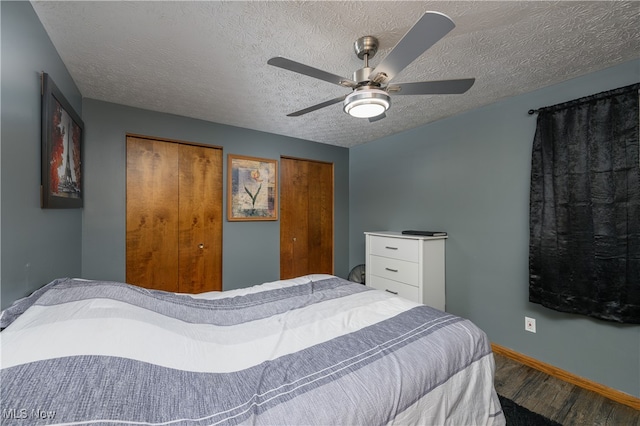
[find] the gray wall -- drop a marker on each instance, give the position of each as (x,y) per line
(469,175)
(250,249)
(36,246)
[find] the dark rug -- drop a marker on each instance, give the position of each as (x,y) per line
(517,415)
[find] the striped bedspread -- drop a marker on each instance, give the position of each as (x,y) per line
(316,350)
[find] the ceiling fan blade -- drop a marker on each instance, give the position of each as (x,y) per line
(377,117)
(317,107)
(294,66)
(443,87)
(430,28)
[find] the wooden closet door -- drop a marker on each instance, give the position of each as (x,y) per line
(174,216)
(152,214)
(306,221)
(200,213)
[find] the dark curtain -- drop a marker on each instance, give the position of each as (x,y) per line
(584,250)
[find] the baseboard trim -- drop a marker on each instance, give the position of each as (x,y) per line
(607,392)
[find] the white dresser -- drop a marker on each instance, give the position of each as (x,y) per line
(410,266)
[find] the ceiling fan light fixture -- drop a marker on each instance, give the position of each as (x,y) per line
(367,103)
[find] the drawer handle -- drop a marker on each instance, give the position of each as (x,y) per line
(392,292)
(391,248)
(391,270)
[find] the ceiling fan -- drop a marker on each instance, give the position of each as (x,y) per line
(371,89)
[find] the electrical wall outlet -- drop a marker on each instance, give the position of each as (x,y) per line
(530,324)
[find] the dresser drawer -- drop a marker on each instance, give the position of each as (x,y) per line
(396,270)
(394,287)
(395,248)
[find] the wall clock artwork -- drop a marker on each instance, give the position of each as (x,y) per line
(252,192)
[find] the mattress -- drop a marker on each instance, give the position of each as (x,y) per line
(315,350)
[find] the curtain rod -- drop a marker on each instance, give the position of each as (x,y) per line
(601,95)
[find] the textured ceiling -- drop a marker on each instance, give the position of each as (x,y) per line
(208,60)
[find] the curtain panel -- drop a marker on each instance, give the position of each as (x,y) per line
(584,248)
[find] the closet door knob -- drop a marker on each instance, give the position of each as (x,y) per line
(201,246)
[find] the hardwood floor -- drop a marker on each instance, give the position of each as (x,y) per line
(558,400)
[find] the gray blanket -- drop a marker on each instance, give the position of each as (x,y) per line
(317,352)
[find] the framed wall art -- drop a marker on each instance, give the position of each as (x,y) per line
(252,192)
(62,139)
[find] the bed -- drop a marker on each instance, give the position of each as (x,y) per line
(312,350)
